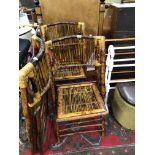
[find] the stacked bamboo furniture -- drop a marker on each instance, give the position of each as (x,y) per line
(78,103)
(57,30)
(34,83)
(79,107)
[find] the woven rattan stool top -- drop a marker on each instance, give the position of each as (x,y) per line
(79,101)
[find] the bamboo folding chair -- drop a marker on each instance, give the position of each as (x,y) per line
(61,29)
(78,103)
(34,82)
(71,56)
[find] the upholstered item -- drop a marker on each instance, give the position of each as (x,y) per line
(127,91)
(123,110)
(72,10)
(23,51)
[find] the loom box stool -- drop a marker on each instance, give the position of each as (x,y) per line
(123,105)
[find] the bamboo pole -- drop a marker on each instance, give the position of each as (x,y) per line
(120,39)
(57,132)
(77,122)
(102,45)
(43,29)
(32,142)
(48,45)
(70,134)
(82,126)
(103,126)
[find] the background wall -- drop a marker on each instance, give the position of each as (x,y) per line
(72,10)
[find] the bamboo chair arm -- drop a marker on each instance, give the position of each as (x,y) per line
(81,26)
(71,37)
(38,95)
(59,23)
(47,86)
(78,36)
(37,42)
(119,39)
(36,99)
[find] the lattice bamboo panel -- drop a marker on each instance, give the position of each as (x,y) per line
(77,50)
(34,82)
(61,29)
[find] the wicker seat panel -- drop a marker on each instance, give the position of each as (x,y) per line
(79,99)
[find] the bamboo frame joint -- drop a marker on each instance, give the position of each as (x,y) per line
(43,29)
(23,73)
(36,99)
(48,44)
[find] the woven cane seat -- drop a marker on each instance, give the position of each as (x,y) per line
(78,101)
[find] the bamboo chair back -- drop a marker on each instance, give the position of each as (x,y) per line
(61,29)
(77,51)
(34,83)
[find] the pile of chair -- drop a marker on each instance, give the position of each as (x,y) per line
(60,67)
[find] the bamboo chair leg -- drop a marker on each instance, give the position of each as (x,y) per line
(98,70)
(26,114)
(103,126)
(53,91)
(53,97)
(39,140)
(40,143)
(34,130)
(57,132)
(103,79)
(46,105)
